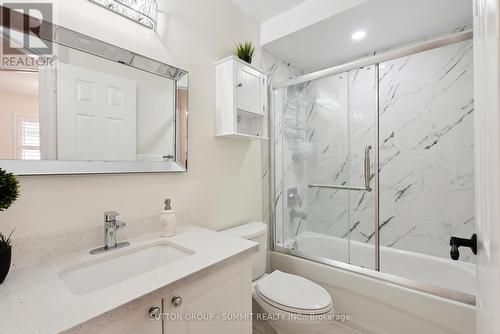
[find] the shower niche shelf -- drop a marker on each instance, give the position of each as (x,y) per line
(241,100)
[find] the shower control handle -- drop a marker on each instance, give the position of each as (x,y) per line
(456,243)
(292,197)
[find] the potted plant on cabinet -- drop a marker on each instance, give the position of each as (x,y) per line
(244,51)
(9,192)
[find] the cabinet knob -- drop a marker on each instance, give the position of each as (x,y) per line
(177,301)
(154,313)
(240,85)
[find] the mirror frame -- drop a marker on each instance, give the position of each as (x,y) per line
(75,40)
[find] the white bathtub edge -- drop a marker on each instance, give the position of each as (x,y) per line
(372,302)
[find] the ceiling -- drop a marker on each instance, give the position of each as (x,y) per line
(387,23)
(261,10)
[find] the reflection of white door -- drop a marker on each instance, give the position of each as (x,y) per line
(96,115)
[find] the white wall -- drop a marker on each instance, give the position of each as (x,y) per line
(13,104)
(223,186)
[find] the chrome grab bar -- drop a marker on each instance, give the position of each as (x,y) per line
(367,187)
(332,186)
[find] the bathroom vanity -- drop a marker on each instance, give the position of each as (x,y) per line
(194,282)
(102,109)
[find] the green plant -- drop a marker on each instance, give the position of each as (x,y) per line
(5,242)
(9,189)
(244,51)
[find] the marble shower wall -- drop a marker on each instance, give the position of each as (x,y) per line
(427,150)
(340,125)
(328,162)
(278,71)
(362,122)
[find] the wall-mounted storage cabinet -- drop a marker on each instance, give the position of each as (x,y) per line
(241,100)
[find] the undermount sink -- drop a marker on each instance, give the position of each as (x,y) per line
(114,268)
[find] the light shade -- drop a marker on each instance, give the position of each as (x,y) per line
(144,12)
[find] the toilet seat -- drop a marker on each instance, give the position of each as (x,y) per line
(293,294)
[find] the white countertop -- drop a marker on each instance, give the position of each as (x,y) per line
(34,299)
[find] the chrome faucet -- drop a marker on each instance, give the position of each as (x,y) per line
(111,225)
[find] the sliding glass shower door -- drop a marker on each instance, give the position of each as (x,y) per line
(362,167)
(374,166)
(324,144)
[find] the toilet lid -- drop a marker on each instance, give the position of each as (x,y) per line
(294,294)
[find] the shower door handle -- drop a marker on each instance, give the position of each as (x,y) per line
(367,176)
(367,168)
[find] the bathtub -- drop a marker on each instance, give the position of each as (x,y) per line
(375,305)
(430,270)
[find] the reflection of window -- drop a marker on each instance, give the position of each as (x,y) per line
(28,138)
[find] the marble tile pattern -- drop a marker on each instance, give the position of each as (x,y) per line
(328,163)
(278,71)
(426,151)
(340,120)
(362,122)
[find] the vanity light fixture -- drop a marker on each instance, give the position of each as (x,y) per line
(144,12)
(357,35)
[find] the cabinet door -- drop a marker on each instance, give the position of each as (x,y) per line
(134,322)
(210,305)
(249,95)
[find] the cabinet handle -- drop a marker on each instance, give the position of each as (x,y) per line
(154,313)
(240,85)
(177,301)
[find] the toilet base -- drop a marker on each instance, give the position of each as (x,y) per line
(269,320)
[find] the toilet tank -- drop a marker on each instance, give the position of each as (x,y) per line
(257,232)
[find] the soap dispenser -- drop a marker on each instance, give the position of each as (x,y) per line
(168,220)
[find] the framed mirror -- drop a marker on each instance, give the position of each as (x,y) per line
(80,105)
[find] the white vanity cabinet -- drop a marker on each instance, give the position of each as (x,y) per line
(217,303)
(241,100)
(207,303)
(135,322)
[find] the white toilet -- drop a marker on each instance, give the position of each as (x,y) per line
(290,303)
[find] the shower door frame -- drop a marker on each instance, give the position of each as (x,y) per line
(375,60)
